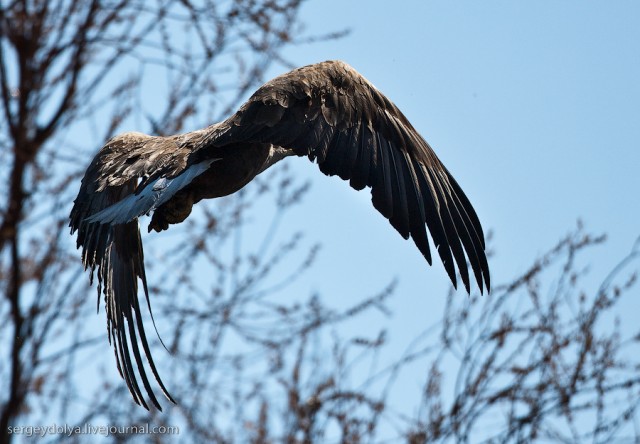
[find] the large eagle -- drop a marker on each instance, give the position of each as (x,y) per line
(327,112)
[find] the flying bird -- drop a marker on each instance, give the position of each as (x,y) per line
(327,112)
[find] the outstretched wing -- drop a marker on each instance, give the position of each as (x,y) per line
(333,115)
(327,112)
(111,243)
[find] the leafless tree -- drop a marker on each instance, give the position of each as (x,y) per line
(252,359)
(71,74)
(544,358)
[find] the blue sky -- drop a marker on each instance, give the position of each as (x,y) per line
(533,106)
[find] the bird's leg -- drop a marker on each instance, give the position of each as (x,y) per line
(173,212)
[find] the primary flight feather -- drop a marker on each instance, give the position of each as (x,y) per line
(327,112)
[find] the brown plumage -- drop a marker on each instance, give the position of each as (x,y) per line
(327,112)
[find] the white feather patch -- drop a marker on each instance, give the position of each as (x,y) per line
(150,197)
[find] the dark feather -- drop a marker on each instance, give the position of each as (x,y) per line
(326,112)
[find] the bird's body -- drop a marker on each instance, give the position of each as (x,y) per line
(327,112)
